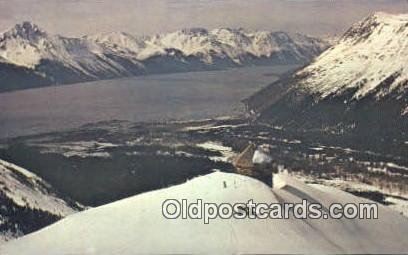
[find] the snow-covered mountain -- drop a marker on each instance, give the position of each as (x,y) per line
(136,224)
(58,59)
(61,60)
(28,203)
(363,77)
(369,59)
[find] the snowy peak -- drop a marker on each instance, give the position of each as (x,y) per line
(195,31)
(112,55)
(360,84)
(237,44)
(369,59)
(223,42)
(374,23)
(117,40)
(19,45)
(26,45)
(364,28)
(26,30)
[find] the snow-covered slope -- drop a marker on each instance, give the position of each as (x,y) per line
(136,225)
(237,45)
(109,55)
(27,202)
(59,58)
(370,53)
(362,77)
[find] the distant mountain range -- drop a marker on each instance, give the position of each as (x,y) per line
(31,57)
(360,83)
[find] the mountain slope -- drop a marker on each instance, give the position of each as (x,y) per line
(27,202)
(361,82)
(371,52)
(14,77)
(137,225)
(62,60)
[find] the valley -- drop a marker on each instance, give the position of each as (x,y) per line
(118,159)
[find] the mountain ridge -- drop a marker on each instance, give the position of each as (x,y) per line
(359,83)
(28,202)
(62,60)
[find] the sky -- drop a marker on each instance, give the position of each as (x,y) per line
(80,17)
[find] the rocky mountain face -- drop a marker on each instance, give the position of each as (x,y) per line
(30,57)
(28,203)
(361,83)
